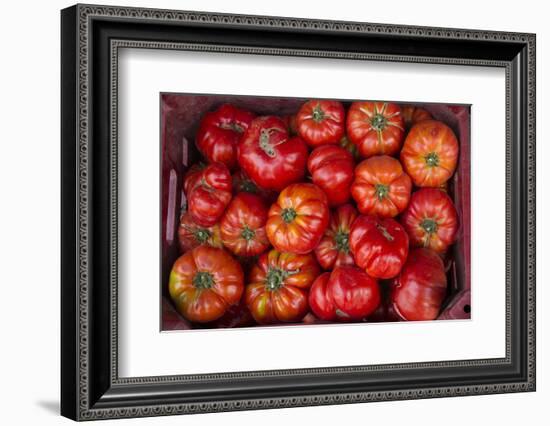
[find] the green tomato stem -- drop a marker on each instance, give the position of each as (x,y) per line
(203,280)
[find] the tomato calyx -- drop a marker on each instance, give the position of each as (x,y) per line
(247,233)
(432,159)
(342,241)
(203,280)
(288,214)
(378,122)
(276,277)
(429,225)
(202,235)
(381,190)
(265,142)
(317,115)
(384,232)
(232,126)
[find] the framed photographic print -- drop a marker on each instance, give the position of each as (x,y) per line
(263,212)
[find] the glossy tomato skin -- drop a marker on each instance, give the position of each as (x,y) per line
(430,153)
(278,285)
(242,226)
(379,246)
(209,194)
(191,235)
(192,176)
(353,292)
(431,220)
(331,169)
(381,187)
(320,301)
(204,282)
(321,122)
(413,115)
(419,290)
(298,219)
(269,156)
(376,128)
(333,249)
(220,132)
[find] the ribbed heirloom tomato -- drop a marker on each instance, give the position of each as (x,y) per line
(420,288)
(278,284)
(243,225)
(431,220)
(430,153)
(380,246)
(321,122)
(298,219)
(209,193)
(381,187)
(333,250)
(205,282)
(375,128)
(345,294)
(269,156)
(192,175)
(191,235)
(413,115)
(220,132)
(331,169)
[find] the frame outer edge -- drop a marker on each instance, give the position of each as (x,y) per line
(83,13)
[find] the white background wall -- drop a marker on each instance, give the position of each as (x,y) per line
(29,211)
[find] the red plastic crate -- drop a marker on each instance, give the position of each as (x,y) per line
(180,117)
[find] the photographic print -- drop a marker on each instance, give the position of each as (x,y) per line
(292,211)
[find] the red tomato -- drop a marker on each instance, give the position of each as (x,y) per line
(333,250)
(297,221)
(346,294)
(381,187)
(209,194)
(431,220)
(220,132)
(205,282)
(278,284)
(430,153)
(331,169)
(193,174)
(320,301)
(321,122)
(380,246)
(269,156)
(191,235)
(375,127)
(243,225)
(413,115)
(421,287)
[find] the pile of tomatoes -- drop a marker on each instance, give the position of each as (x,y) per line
(324,215)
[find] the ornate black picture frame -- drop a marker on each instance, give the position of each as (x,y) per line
(91,37)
